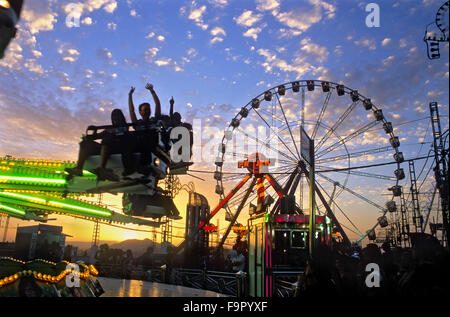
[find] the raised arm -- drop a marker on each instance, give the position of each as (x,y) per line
(155,99)
(131,106)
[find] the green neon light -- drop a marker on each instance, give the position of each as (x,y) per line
(30,179)
(104,213)
(17,211)
(23,196)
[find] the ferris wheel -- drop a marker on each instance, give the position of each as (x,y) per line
(356,155)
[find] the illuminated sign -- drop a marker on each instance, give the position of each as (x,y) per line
(243,164)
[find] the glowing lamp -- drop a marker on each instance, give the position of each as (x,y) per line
(5,4)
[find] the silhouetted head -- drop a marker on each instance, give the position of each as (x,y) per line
(145,111)
(117,118)
(177,118)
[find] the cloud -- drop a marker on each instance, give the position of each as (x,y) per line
(87,21)
(298,65)
(267,5)
(302,19)
(165,61)
(196,14)
(107,5)
(253,33)
(33,67)
(219,3)
(68,52)
(160,38)
(151,53)
(13,57)
(386,41)
(388,61)
(38,16)
(311,48)
(218,31)
(215,40)
(365,42)
(247,18)
(104,53)
(67,88)
(192,52)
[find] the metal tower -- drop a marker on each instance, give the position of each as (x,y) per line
(96,233)
(404,219)
(441,168)
(417,217)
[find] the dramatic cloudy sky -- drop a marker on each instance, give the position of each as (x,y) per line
(213,57)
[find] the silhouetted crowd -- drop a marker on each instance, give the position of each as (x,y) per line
(417,271)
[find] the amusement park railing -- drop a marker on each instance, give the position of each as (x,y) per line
(286,283)
(233,284)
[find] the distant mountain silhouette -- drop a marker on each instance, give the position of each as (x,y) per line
(138,247)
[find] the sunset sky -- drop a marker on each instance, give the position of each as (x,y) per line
(213,57)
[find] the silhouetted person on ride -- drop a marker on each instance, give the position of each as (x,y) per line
(148,141)
(114,140)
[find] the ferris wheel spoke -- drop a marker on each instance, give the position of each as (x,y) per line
(322,112)
(340,209)
(281,140)
(352,192)
(365,174)
(287,123)
(336,125)
(267,145)
(354,155)
(347,138)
